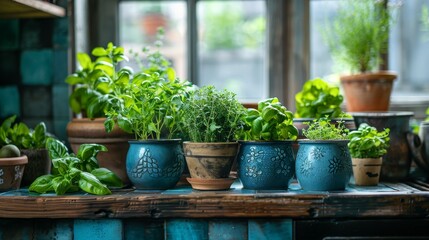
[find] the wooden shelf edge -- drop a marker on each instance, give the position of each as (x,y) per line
(29,9)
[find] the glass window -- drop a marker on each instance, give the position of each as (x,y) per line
(138,24)
(408,46)
(232,47)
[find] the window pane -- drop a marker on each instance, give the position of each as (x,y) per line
(138,22)
(232,47)
(409,47)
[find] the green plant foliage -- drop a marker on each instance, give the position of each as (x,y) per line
(324,129)
(96,84)
(270,122)
(152,108)
(427,115)
(317,99)
(20,135)
(210,115)
(359,34)
(149,104)
(367,142)
(71,173)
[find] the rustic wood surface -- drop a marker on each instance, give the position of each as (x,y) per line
(405,199)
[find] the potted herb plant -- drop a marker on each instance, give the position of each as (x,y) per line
(97,85)
(357,38)
(323,160)
(152,111)
(367,146)
(211,119)
(31,143)
(265,157)
(74,172)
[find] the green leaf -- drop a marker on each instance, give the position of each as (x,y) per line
(42,184)
(99,52)
(88,151)
(56,148)
(107,177)
(90,184)
(60,185)
(39,135)
(84,60)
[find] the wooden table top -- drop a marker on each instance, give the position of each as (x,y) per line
(408,199)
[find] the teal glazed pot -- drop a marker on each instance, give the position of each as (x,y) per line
(155,164)
(265,165)
(323,165)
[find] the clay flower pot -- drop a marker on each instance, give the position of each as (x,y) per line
(210,164)
(368,91)
(366,171)
(11,171)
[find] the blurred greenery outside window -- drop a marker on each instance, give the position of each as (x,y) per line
(231,42)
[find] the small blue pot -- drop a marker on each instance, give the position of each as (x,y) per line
(265,165)
(155,164)
(323,165)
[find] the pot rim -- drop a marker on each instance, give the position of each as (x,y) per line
(323,141)
(370,76)
(377,114)
(152,141)
(265,142)
(14,161)
(210,143)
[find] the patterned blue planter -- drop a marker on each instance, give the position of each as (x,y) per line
(265,165)
(323,165)
(155,164)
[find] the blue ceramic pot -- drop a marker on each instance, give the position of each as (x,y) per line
(155,164)
(265,165)
(323,165)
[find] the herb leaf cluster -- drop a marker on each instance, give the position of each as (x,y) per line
(20,135)
(324,129)
(359,34)
(318,99)
(210,115)
(368,142)
(270,122)
(71,173)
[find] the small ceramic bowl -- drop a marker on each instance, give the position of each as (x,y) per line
(11,171)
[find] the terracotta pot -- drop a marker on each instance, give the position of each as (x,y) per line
(39,164)
(85,130)
(366,171)
(368,91)
(210,160)
(11,171)
(151,23)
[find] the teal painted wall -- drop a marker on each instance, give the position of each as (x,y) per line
(33,67)
(142,229)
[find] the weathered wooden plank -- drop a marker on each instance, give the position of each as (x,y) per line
(236,203)
(226,229)
(102,229)
(143,229)
(270,229)
(186,229)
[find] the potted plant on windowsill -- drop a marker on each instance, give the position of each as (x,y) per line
(31,143)
(12,166)
(357,38)
(97,86)
(211,119)
(265,157)
(152,111)
(367,146)
(323,160)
